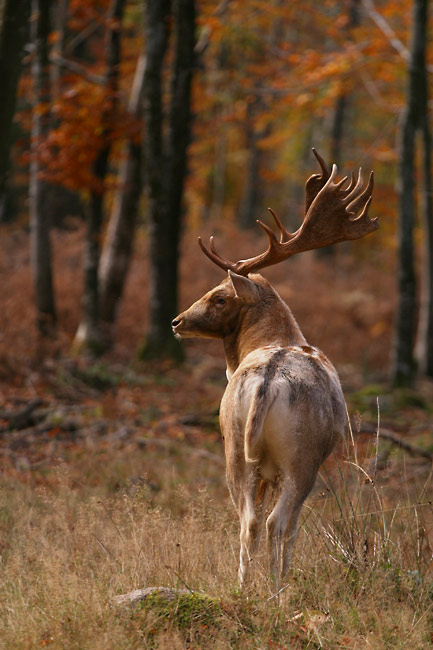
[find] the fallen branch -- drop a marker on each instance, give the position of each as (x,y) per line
(174,445)
(21,418)
(387,434)
(25,437)
(77,68)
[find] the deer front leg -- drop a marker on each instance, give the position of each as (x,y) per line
(243,491)
(248,537)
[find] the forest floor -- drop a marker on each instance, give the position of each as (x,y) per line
(112,474)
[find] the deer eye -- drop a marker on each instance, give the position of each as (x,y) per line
(220,301)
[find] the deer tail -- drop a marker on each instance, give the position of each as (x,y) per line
(254,425)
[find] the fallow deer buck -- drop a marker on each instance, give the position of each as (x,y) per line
(283,409)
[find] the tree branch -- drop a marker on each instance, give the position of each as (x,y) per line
(77,68)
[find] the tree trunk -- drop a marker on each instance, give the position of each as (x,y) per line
(425,332)
(339,118)
(39,223)
(13,36)
(89,334)
(250,203)
(117,250)
(403,364)
(218,188)
(61,26)
(166,165)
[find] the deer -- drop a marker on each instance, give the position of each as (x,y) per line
(283,409)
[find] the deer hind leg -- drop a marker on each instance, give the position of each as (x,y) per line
(281,529)
(282,524)
(290,537)
(251,514)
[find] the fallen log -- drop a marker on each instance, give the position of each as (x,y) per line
(21,418)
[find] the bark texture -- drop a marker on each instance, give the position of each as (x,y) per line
(39,220)
(425,333)
(403,370)
(166,159)
(250,208)
(425,347)
(13,36)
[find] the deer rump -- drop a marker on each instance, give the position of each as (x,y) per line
(283,412)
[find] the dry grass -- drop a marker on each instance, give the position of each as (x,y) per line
(88,515)
(361,574)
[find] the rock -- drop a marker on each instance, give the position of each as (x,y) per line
(136,596)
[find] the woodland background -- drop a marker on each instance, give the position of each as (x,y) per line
(127,129)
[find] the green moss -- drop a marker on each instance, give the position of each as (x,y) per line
(390,400)
(185,610)
(406,397)
(195,616)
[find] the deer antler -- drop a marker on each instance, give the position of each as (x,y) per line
(333,214)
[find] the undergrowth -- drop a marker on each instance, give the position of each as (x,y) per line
(360,577)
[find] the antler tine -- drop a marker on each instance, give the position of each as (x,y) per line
(356,190)
(212,245)
(285,235)
(351,185)
(360,200)
(316,181)
(340,183)
(323,165)
(213,255)
(364,214)
(272,237)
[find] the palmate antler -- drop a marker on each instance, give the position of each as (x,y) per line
(333,214)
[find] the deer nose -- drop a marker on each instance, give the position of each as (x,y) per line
(176,322)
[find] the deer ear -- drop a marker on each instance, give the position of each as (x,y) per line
(244,287)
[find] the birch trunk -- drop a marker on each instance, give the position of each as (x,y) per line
(90,335)
(118,244)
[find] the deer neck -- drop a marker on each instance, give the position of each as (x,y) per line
(259,326)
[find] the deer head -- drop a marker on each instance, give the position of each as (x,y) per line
(333,213)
